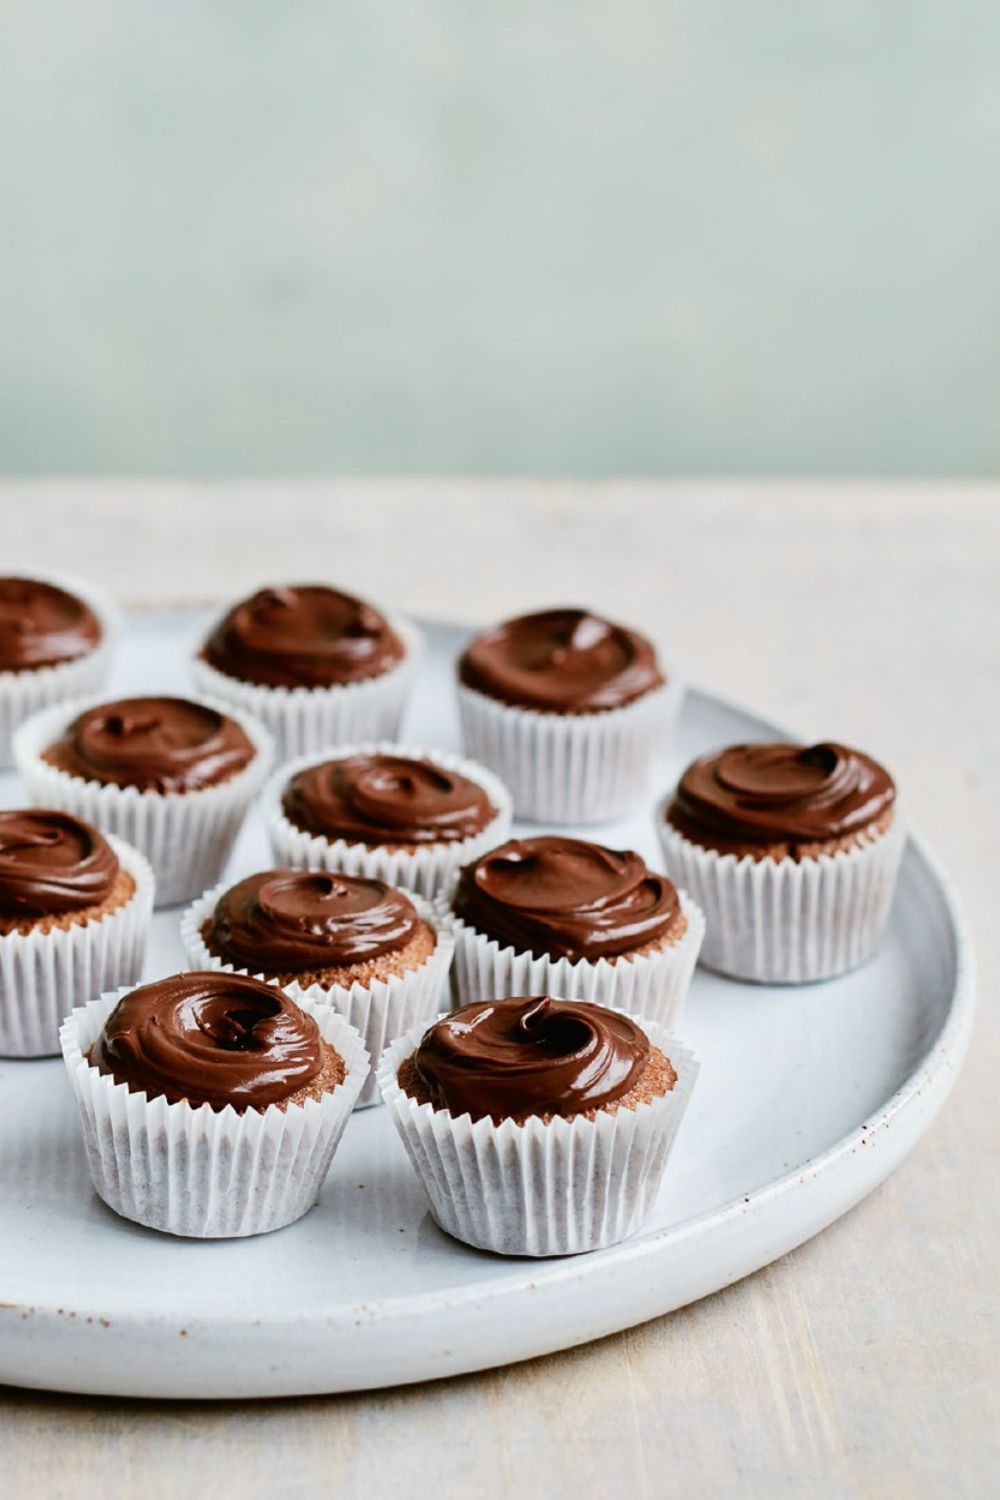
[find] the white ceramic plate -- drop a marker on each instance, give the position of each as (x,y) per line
(807,1099)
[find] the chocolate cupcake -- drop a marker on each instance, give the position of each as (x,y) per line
(172,776)
(316,666)
(56,638)
(411,818)
(793,853)
(556,915)
(211,1103)
(569,710)
(75,909)
(538,1126)
(378,955)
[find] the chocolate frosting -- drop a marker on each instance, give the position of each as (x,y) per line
(566,898)
(51,863)
(303,636)
(778,793)
(530,1056)
(386,799)
(155,744)
(565,661)
(42,625)
(288,920)
(213,1039)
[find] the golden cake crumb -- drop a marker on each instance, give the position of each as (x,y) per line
(399,961)
(330,1076)
(781,850)
(656,1079)
(121,892)
(673,934)
(332,1073)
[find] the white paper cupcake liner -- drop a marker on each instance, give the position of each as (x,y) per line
(380,1011)
(186,836)
(427,870)
(649,985)
(572,768)
(303,719)
(787,921)
(554,1188)
(202,1172)
(25,693)
(43,975)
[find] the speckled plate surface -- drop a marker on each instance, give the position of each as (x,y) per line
(807,1099)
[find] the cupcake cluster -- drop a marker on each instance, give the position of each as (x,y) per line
(514,998)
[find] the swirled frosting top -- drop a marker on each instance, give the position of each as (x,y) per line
(213,1039)
(51,862)
(529,1056)
(42,625)
(378,799)
(566,898)
(281,921)
(777,793)
(304,635)
(154,744)
(566,661)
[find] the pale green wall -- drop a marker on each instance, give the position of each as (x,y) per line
(546,235)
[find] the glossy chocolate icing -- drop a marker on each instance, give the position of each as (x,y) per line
(386,799)
(529,1056)
(303,636)
(566,898)
(565,661)
(213,1039)
(154,744)
(51,862)
(780,793)
(281,921)
(42,625)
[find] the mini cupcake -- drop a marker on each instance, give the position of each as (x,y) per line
(568,709)
(556,915)
(411,818)
(792,852)
(538,1126)
(55,643)
(211,1104)
(75,909)
(377,955)
(172,776)
(317,667)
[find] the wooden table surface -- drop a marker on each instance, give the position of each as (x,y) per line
(866,1362)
